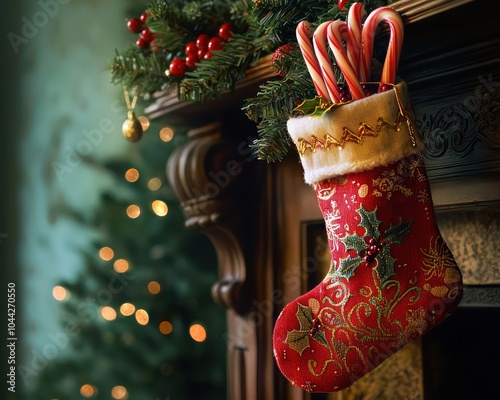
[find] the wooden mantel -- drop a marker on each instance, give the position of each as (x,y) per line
(261,217)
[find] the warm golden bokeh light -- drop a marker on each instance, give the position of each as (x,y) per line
(160,208)
(165,327)
(106,253)
(166,134)
(119,392)
(154,287)
(121,265)
(142,317)
(127,309)
(132,175)
(198,333)
(108,313)
(87,390)
(154,184)
(133,211)
(144,122)
(59,293)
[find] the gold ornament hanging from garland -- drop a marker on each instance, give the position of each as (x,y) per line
(132,127)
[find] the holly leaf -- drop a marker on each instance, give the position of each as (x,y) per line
(298,340)
(348,266)
(369,221)
(304,316)
(353,242)
(316,107)
(395,234)
(320,337)
(385,264)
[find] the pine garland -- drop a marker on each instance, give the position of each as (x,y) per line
(261,27)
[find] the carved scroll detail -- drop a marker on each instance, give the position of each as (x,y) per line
(205,175)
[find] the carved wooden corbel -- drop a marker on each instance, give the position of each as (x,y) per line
(206,174)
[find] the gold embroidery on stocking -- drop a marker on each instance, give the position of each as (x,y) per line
(364,130)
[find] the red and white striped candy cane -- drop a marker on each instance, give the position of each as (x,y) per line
(304,34)
(319,42)
(354,24)
(395,22)
(337,30)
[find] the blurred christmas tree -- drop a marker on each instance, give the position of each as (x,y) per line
(139,322)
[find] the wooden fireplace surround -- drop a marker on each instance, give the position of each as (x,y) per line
(264,221)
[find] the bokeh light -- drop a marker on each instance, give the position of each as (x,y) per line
(59,293)
(133,211)
(142,316)
(144,122)
(198,333)
(132,175)
(154,287)
(119,392)
(166,134)
(106,253)
(127,309)
(154,184)
(121,265)
(165,327)
(87,390)
(160,208)
(108,313)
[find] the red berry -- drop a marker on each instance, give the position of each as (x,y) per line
(215,43)
(147,35)
(202,41)
(279,54)
(142,43)
(144,17)
(155,48)
(225,31)
(178,67)
(208,55)
(191,48)
(135,25)
(201,53)
(191,60)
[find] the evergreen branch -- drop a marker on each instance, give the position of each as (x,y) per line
(221,72)
(143,71)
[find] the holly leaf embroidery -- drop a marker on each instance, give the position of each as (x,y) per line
(298,340)
(395,234)
(384,263)
(353,242)
(369,221)
(348,266)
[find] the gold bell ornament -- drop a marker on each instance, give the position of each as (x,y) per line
(132,127)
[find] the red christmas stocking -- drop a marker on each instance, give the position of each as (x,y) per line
(392,276)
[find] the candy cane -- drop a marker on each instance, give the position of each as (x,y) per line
(336,30)
(356,13)
(319,42)
(395,22)
(304,34)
